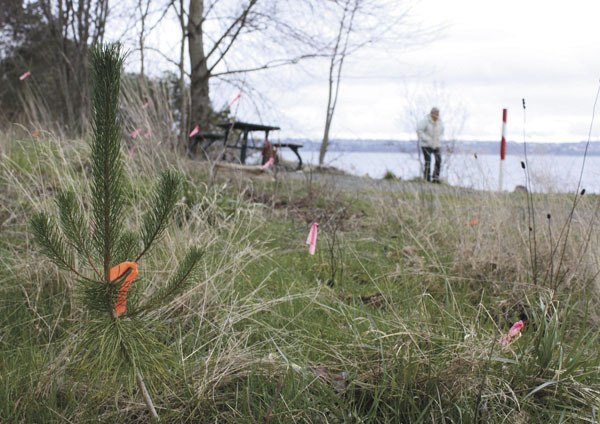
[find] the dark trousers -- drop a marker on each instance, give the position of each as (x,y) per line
(427,151)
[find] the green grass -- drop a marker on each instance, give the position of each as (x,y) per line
(396,319)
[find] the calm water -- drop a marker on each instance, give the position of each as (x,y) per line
(547,173)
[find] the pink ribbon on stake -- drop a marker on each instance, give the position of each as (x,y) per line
(25,75)
(195,131)
(312,238)
(235,99)
(134,134)
(267,163)
(514,332)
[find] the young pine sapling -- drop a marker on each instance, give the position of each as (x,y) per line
(88,239)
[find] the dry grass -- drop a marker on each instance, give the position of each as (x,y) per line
(406,330)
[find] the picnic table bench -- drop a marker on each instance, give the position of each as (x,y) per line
(243,143)
(205,139)
(294,148)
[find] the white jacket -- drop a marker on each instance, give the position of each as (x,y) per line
(430,133)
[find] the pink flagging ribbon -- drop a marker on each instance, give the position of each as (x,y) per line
(514,332)
(312,238)
(195,131)
(235,99)
(134,134)
(267,163)
(25,75)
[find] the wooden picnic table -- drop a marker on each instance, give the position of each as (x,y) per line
(294,148)
(243,141)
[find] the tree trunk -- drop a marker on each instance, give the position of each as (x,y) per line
(183,103)
(325,141)
(144,10)
(336,64)
(199,71)
(331,99)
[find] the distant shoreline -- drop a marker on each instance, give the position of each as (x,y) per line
(467,147)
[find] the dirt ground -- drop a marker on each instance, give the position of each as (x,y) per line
(337,179)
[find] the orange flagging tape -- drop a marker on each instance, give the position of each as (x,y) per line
(115,273)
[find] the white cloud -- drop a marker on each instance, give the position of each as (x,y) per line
(489,57)
(493,54)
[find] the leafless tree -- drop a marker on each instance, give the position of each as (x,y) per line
(52,37)
(143,7)
(336,64)
(74,25)
(362,23)
(205,59)
(228,39)
(183,101)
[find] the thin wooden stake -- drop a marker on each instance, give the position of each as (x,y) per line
(146,395)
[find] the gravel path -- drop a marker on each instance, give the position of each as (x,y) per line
(346,182)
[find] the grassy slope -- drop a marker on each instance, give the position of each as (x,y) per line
(395,319)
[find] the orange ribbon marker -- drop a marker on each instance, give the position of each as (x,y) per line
(115,273)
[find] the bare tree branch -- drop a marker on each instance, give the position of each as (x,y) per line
(270,65)
(239,22)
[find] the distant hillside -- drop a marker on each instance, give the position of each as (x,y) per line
(481,147)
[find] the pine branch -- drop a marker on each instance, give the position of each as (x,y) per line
(99,296)
(112,348)
(73,226)
(53,243)
(127,244)
(164,200)
(178,283)
(107,162)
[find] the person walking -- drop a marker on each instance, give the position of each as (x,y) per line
(429,134)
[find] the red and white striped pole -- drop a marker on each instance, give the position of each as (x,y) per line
(502,149)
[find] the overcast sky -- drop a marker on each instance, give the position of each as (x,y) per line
(489,56)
